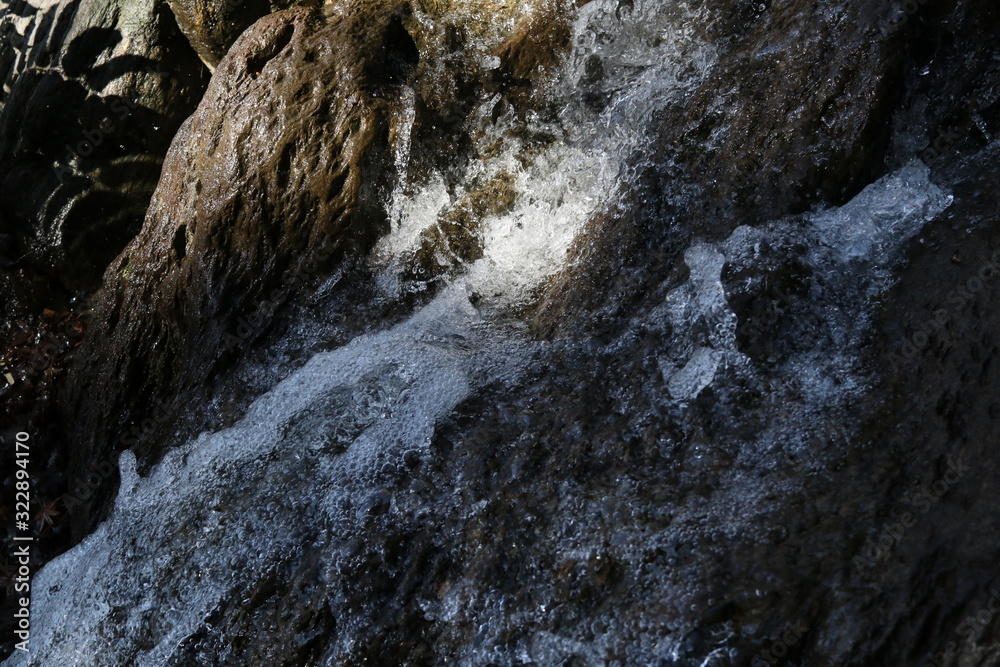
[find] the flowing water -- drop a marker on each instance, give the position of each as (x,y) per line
(315,461)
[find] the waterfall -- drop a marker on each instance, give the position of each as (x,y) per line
(326,453)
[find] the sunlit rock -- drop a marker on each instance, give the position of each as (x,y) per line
(287,168)
(212,26)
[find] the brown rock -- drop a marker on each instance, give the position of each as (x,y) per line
(279,173)
(454,239)
(535,47)
(282,172)
(212,26)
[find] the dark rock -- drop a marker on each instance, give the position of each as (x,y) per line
(93,94)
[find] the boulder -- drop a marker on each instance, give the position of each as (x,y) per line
(283,172)
(212,26)
(280,173)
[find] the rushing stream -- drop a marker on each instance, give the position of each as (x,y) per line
(305,471)
(316,486)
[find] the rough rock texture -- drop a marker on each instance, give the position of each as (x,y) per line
(212,26)
(281,171)
(285,166)
(93,92)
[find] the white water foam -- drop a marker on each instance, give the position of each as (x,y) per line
(650,57)
(164,560)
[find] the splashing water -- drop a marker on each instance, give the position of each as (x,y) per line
(185,540)
(648,58)
(308,464)
(337,425)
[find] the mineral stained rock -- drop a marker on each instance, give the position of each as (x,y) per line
(212,26)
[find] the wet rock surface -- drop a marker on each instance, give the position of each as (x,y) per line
(750,421)
(280,172)
(280,177)
(809,114)
(213,26)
